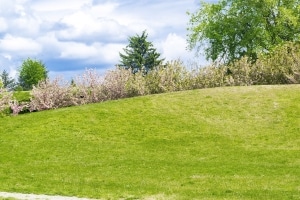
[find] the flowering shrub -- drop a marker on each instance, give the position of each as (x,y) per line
(281,66)
(5,99)
(17,107)
(88,88)
(171,77)
(242,73)
(9,105)
(207,77)
(51,94)
(136,85)
(114,84)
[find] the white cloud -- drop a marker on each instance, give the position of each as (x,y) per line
(3,25)
(6,63)
(20,46)
(97,52)
(7,56)
(83,26)
(7,7)
(54,5)
(77,50)
(110,53)
(103,10)
(67,33)
(17,18)
(26,26)
(13,72)
(174,47)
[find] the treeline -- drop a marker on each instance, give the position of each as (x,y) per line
(281,66)
(30,73)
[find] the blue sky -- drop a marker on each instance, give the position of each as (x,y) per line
(72,35)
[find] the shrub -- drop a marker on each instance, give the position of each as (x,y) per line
(5,99)
(18,88)
(114,84)
(17,107)
(167,78)
(88,87)
(207,77)
(22,96)
(136,84)
(51,94)
(172,77)
(241,73)
(281,66)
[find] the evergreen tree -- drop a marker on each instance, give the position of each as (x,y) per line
(140,54)
(7,81)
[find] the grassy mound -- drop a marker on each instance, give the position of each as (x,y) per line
(221,143)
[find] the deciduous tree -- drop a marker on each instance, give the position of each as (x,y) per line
(231,29)
(31,72)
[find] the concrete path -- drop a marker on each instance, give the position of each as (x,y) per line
(20,196)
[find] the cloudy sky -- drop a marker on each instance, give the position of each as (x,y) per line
(72,35)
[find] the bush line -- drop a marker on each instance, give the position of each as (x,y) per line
(281,66)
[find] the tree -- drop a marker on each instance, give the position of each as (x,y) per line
(140,54)
(7,81)
(231,29)
(31,72)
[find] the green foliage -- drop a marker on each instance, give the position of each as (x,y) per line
(168,78)
(232,29)
(31,72)
(221,143)
(22,96)
(140,55)
(51,95)
(18,88)
(5,100)
(7,81)
(280,66)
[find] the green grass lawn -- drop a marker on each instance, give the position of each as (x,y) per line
(221,143)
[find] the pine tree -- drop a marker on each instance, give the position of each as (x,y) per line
(7,81)
(140,54)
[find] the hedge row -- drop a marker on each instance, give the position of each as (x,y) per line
(281,66)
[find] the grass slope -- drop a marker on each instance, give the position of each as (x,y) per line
(221,143)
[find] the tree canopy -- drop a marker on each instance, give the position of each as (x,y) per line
(231,29)
(31,72)
(140,54)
